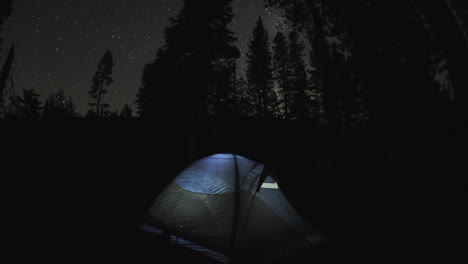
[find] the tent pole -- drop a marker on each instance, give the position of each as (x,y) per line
(236,209)
(263,176)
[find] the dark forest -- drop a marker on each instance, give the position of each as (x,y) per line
(360,107)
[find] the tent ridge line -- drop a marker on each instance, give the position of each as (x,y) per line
(236,214)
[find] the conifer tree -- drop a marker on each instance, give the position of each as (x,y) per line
(194,62)
(259,69)
(102,79)
(281,72)
(299,79)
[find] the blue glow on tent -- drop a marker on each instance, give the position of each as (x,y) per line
(211,175)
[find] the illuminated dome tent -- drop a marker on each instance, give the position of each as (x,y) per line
(230,208)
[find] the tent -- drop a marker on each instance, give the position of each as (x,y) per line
(230,208)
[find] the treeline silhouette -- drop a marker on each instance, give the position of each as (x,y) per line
(382,66)
(195,75)
(27,107)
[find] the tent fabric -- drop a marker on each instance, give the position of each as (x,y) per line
(200,206)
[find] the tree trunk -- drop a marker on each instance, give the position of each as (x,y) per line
(98,105)
(5,73)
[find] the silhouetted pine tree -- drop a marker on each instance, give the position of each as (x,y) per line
(5,11)
(58,107)
(28,107)
(281,73)
(195,61)
(5,76)
(309,16)
(300,103)
(102,79)
(259,70)
(146,95)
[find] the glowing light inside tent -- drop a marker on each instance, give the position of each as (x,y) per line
(270,185)
(211,175)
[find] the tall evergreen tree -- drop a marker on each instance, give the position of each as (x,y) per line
(5,11)
(5,75)
(299,78)
(259,69)
(193,63)
(281,72)
(101,79)
(146,95)
(309,16)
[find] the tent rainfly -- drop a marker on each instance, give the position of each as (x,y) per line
(231,209)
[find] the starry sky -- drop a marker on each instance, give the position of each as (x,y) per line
(60,42)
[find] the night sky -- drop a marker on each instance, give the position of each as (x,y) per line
(60,42)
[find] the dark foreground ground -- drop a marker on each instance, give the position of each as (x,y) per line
(76,191)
